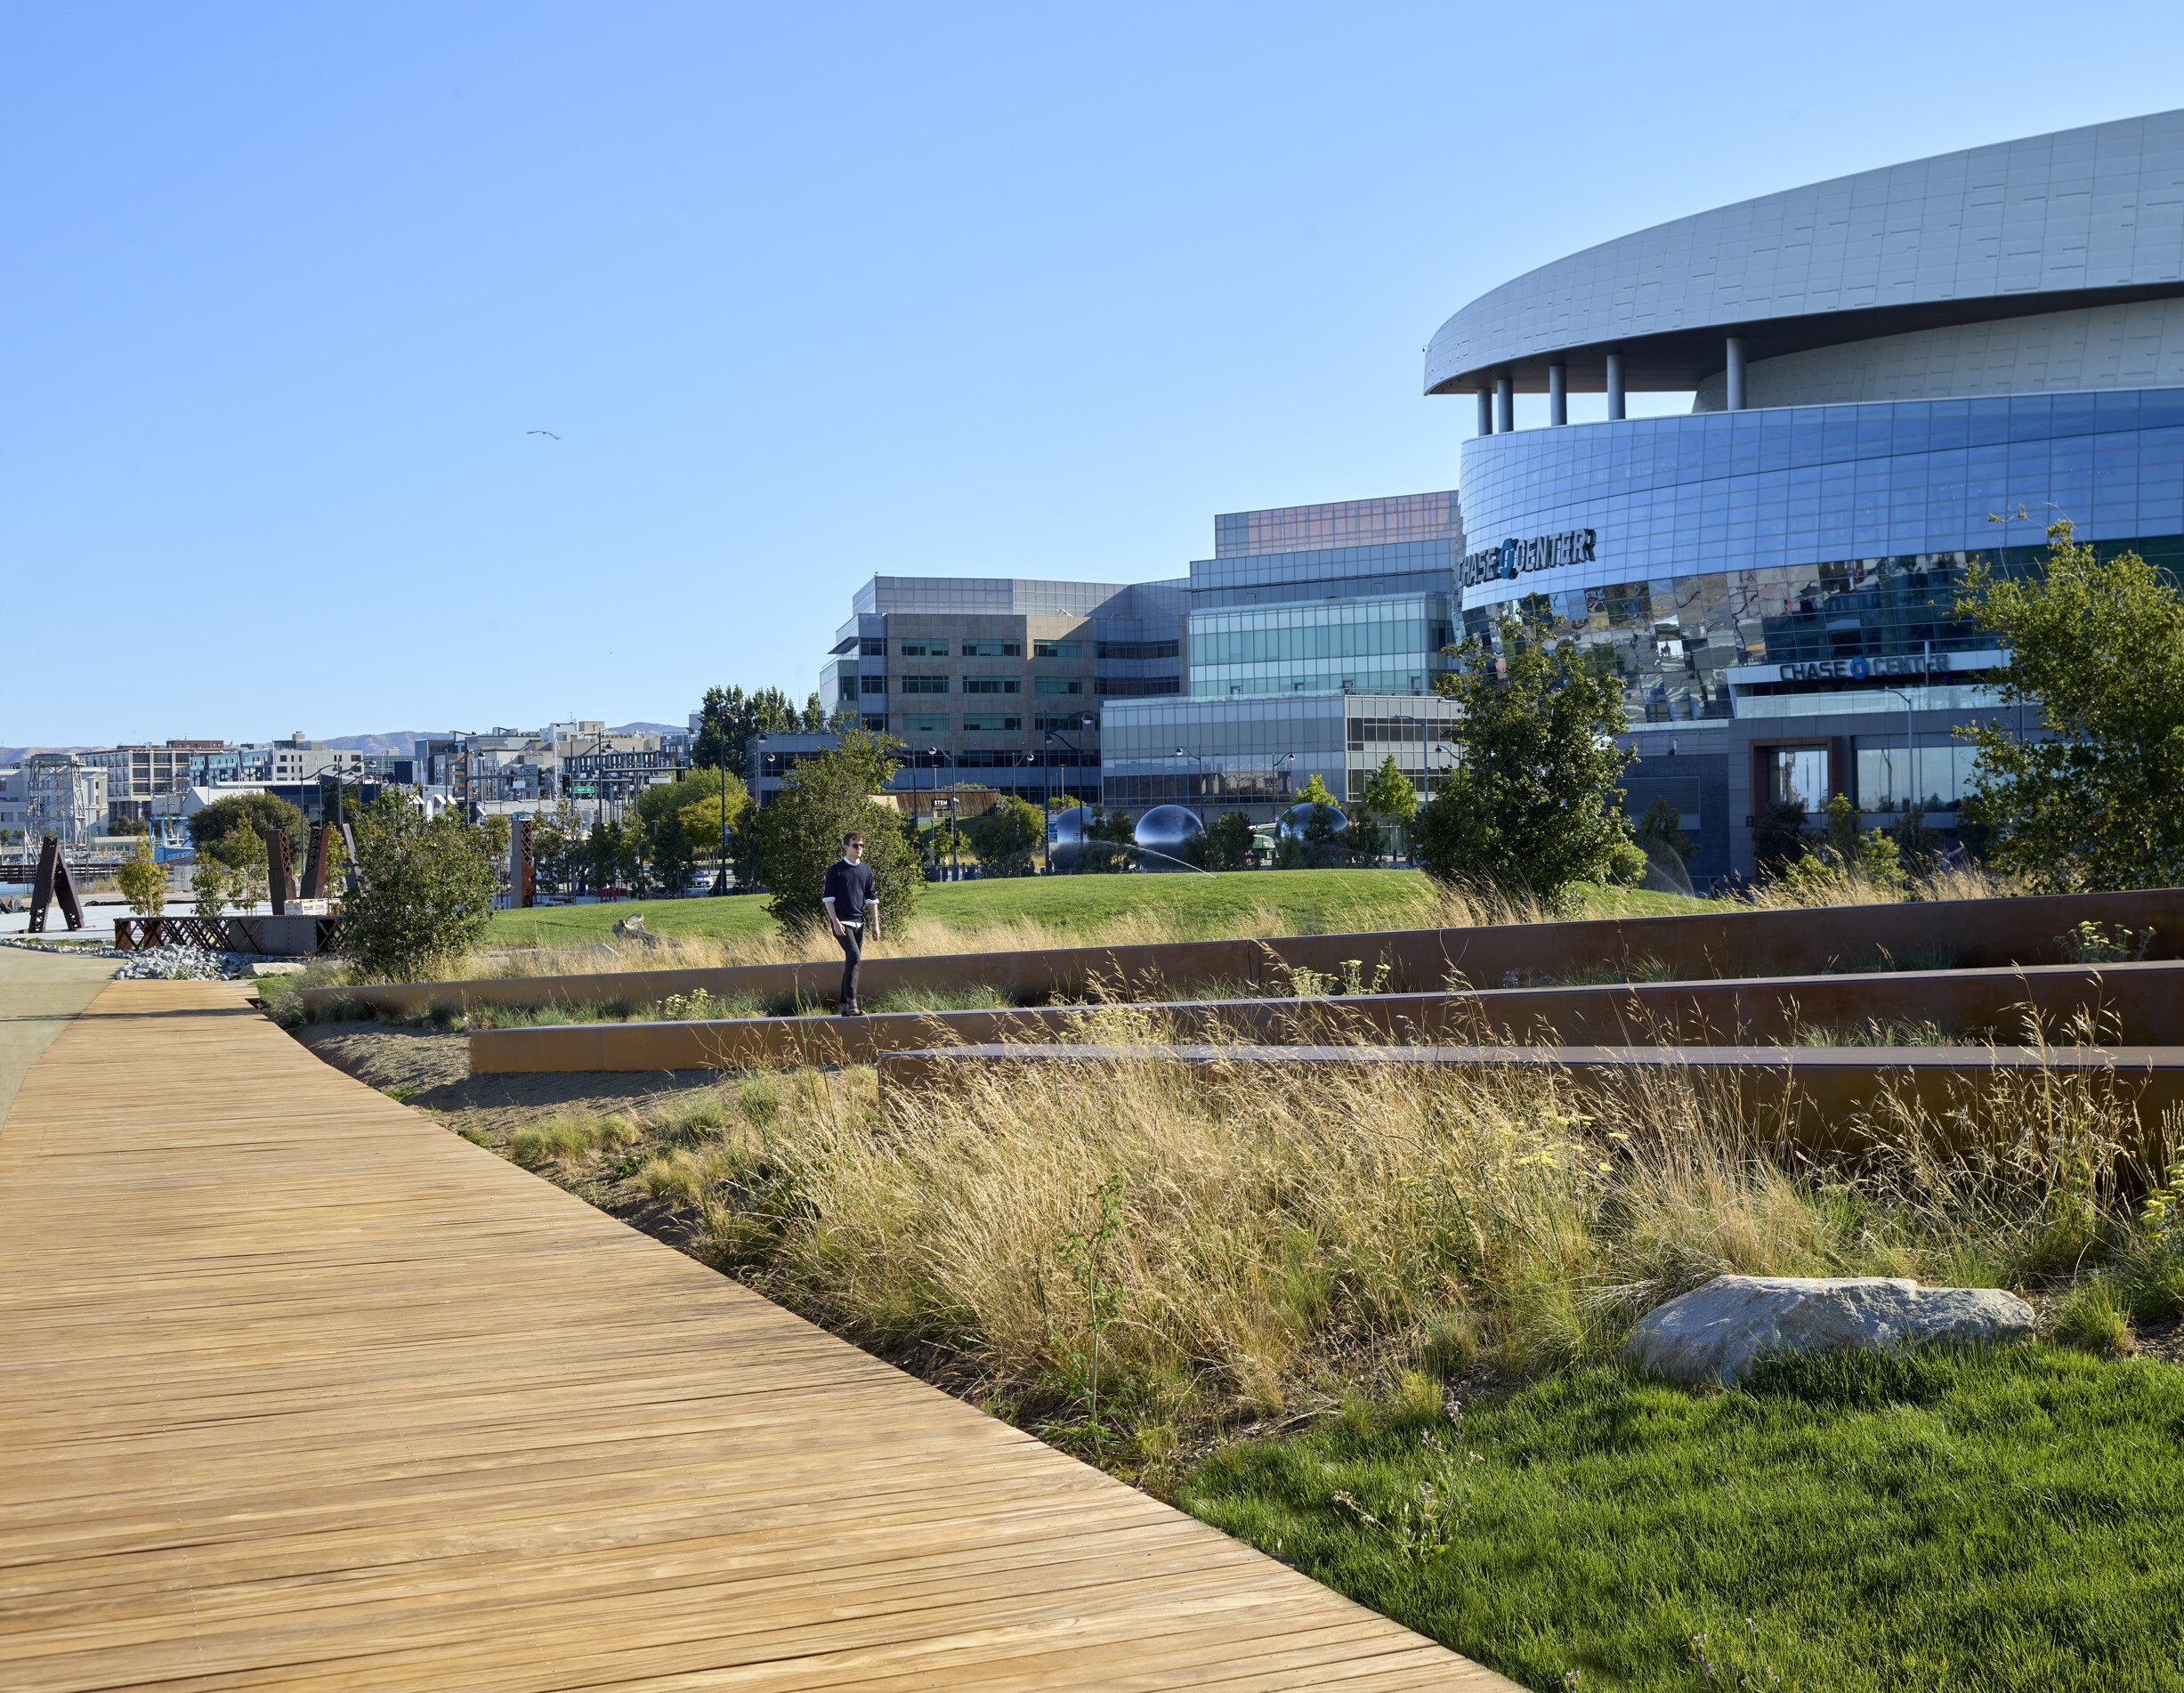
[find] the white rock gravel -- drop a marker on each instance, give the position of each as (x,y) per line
(180,963)
(1719,1333)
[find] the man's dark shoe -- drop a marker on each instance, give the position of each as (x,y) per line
(849,1011)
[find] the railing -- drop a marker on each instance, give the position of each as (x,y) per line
(215,934)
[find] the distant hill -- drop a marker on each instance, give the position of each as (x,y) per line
(397,741)
(16,755)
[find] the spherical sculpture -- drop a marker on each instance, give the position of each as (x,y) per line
(1297,819)
(1065,837)
(1163,832)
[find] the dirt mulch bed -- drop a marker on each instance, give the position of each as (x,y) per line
(429,1070)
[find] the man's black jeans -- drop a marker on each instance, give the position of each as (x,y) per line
(852,954)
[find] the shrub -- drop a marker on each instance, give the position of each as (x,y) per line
(424,894)
(797,836)
(143,883)
(1008,837)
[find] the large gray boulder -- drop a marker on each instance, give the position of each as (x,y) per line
(1720,1332)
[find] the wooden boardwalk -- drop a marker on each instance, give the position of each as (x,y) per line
(298,1389)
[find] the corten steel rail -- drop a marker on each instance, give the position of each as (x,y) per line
(1810,1096)
(299,1389)
(1965,933)
(2138,1004)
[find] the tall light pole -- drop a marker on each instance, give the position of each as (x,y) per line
(937,754)
(1047,737)
(1184,752)
(1909,776)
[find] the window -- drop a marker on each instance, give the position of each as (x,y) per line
(924,725)
(1073,724)
(878,725)
(849,687)
(1061,684)
(872,684)
(1139,687)
(984,685)
(925,685)
(988,725)
(922,648)
(1798,772)
(872,648)
(1140,648)
(994,649)
(1057,649)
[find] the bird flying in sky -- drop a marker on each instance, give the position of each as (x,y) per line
(548,433)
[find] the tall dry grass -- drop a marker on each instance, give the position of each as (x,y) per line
(1247,1243)
(1819,884)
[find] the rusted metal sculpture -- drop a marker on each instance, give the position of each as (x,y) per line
(52,878)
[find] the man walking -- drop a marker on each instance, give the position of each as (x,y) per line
(851,898)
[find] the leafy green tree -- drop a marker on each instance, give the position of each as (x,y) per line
(608,856)
(2097,648)
(1314,792)
(424,893)
(1230,843)
(1389,794)
(210,886)
(1533,802)
(131,826)
(729,720)
(557,846)
(800,833)
(1008,837)
(254,813)
(1660,829)
(244,853)
(141,881)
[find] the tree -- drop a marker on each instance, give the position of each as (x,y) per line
(424,894)
(1389,794)
(143,883)
(1314,792)
(1534,801)
(209,889)
(1660,831)
(800,833)
(557,846)
(729,721)
(254,813)
(2099,649)
(131,826)
(247,858)
(1007,838)
(1230,843)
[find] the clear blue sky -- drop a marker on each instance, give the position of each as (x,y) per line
(807,295)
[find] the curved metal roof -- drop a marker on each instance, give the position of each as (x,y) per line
(2080,218)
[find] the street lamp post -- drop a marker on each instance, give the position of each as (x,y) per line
(937,754)
(1909,753)
(1047,737)
(1182,752)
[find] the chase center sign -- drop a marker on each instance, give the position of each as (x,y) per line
(1514,558)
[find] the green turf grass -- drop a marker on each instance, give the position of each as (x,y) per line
(1311,901)
(1938,1519)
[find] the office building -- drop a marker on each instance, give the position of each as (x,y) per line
(1001,680)
(1896,374)
(1315,634)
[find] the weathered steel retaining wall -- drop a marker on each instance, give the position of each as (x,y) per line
(1961,933)
(2139,1004)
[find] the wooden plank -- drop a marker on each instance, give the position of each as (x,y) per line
(299,1390)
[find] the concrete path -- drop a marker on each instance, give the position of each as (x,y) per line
(39,996)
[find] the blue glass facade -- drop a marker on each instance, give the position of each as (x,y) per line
(1723,541)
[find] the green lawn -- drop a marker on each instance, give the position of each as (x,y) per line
(1313,901)
(1985,1521)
